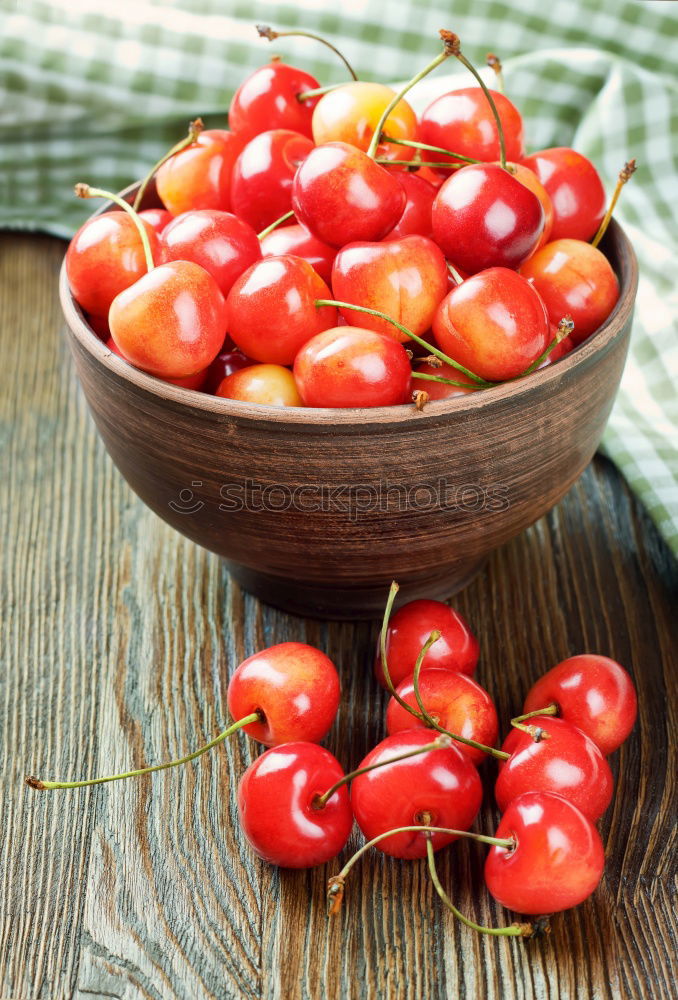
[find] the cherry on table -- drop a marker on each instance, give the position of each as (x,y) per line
(269,99)
(575,189)
(297,240)
(351,113)
(261,181)
(199,176)
(219,241)
(266,384)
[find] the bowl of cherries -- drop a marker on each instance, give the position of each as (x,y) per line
(339,343)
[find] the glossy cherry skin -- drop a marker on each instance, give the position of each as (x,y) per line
(484,217)
(457,648)
(455,701)
(294,686)
(593,693)
(416,217)
(196,381)
(531,181)
(351,367)
(567,763)
(299,242)
(199,176)
(158,218)
(462,121)
(220,242)
(406,279)
(494,323)
(261,182)
(342,196)
(229,359)
(104,257)
(277,811)
(268,99)
(438,390)
(575,189)
(171,322)
(271,309)
(351,114)
(443,783)
(269,385)
(573,278)
(558,859)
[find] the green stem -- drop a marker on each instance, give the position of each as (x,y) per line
(40,785)
(194,130)
(85,191)
(445,381)
(274,225)
(565,328)
(471,68)
(265,31)
(551,709)
(415,164)
(306,95)
(625,174)
(431,149)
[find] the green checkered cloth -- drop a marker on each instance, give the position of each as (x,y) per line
(96,91)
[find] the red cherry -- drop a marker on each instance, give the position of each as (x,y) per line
(462,121)
(229,359)
(269,385)
(196,381)
(171,322)
(567,762)
(409,628)
(574,278)
(342,196)
(199,176)
(455,701)
(575,189)
(593,693)
(484,217)
(158,218)
(100,326)
(442,784)
(352,367)
(351,113)
(104,257)
(269,99)
(406,279)
(271,310)
(297,240)
(557,861)
(494,323)
(531,181)
(276,807)
(416,216)
(261,182)
(294,686)
(438,390)
(221,243)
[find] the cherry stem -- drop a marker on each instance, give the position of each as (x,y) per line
(306,95)
(455,273)
(420,398)
(248,720)
(625,174)
(265,31)
(445,381)
(415,164)
(440,743)
(536,732)
(448,50)
(194,130)
(85,191)
(515,930)
(551,709)
(494,62)
(565,328)
(431,149)
(274,225)
(458,54)
(408,333)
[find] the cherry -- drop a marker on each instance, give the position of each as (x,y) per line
(591,692)
(199,175)
(196,381)
(158,218)
(416,215)
(272,311)
(269,99)
(440,390)
(574,278)
(557,860)
(297,240)
(261,182)
(564,761)
(220,242)
(484,217)
(352,367)
(455,701)
(229,359)
(405,278)
(441,785)
(277,806)
(269,385)
(575,189)
(462,121)
(531,181)
(494,323)
(409,628)
(351,113)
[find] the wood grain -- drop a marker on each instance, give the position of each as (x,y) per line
(117,639)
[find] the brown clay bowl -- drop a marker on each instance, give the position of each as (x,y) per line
(316,511)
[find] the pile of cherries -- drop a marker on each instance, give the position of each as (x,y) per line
(419,788)
(298,252)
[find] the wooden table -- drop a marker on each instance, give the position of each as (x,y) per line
(118,636)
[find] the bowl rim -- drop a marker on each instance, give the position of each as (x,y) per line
(359,417)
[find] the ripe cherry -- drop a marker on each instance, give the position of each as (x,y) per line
(532,182)
(416,216)
(565,761)
(484,217)
(557,860)
(158,218)
(352,367)
(269,385)
(405,278)
(494,323)
(261,182)
(462,121)
(196,381)
(269,99)
(199,176)
(440,786)
(351,113)
(277,807)
(591,692)
(297,240)
(229,359)
(221,243)
(575,189)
